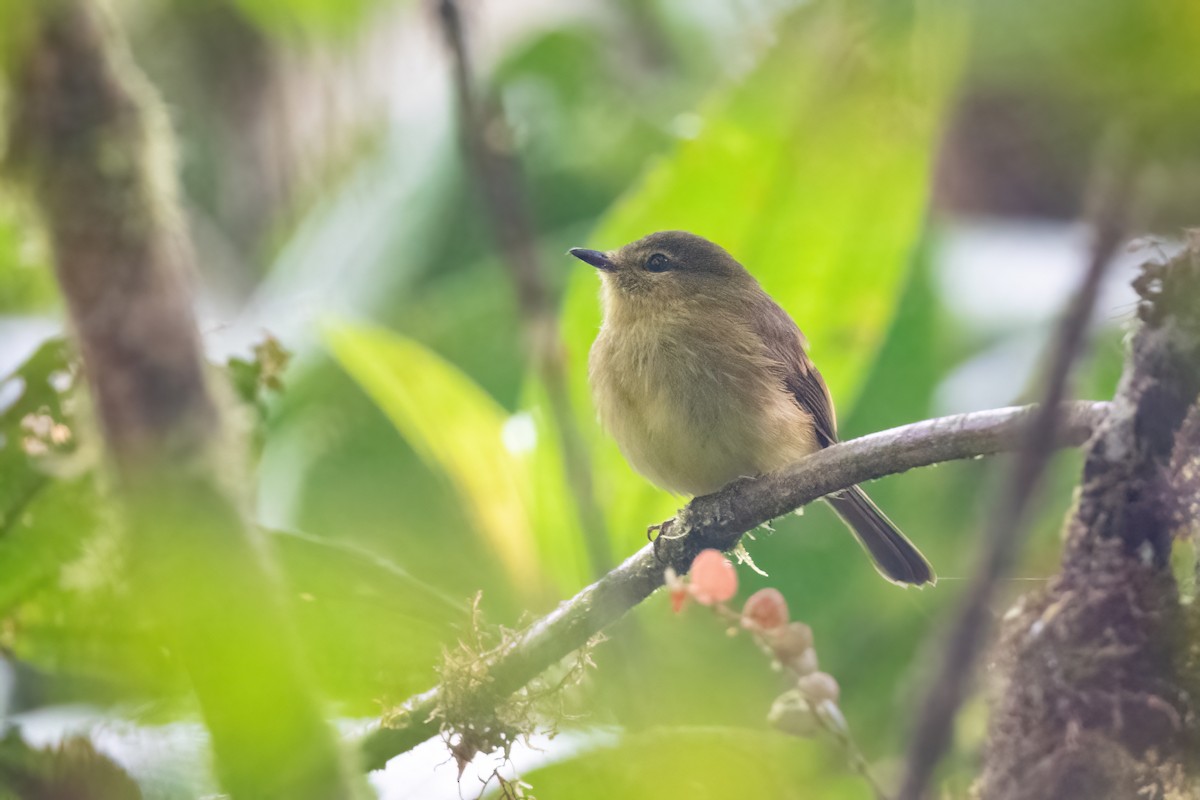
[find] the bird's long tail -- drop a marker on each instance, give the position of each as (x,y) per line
(896,558)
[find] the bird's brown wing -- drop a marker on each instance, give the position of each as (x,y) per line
(896,558)
(785,345)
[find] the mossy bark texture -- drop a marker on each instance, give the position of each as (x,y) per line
(1097,684)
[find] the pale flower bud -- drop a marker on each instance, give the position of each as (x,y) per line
(792,713)
(818,686)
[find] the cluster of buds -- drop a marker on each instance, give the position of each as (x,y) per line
(808,707)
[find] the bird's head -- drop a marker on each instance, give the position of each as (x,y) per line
(668,267)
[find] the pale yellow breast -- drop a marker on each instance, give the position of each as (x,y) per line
(693,407)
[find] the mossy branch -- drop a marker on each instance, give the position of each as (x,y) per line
(719,520)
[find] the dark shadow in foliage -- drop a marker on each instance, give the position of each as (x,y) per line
(73,770)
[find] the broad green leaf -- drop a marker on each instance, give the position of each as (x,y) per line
(814,172)
(342,598)
(700,764)
(456,428)
(76,613)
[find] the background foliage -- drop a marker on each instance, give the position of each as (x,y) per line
(900,176)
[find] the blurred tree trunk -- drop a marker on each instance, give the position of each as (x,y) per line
(87,136)
(230,84)
(1098,672)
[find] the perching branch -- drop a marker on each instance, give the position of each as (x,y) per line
(719,520)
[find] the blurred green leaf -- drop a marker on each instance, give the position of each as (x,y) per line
(1141,55)
(320,17)
(457,429)
(61,591)
(567,94)
(698,763)
(28,390)
(19,21)
(557,525)
(47,533)
(26,276)
(814,172)
(37,533)
(64,597)
(371,629)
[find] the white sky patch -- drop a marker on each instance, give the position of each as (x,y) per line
(10,392)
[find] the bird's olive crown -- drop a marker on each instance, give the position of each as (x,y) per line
(675,251)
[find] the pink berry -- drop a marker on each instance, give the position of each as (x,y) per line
(766,609)
(714,580)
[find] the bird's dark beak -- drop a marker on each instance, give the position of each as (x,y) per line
(593,257)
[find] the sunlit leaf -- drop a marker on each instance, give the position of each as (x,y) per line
(698,763)
(456,427)
(813,172)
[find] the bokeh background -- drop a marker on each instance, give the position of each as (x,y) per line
(911,180)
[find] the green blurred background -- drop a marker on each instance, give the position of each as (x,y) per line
(906,178)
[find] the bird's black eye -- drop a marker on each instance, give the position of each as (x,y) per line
(657,263)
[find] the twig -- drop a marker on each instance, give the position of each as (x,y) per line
(496,171)
(838,731)
(1006,527)
(719,520)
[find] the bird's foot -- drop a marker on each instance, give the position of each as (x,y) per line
(663,529)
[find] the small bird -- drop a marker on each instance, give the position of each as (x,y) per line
(703,379)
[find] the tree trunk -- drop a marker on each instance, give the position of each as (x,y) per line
(89,139)
(1097,688)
